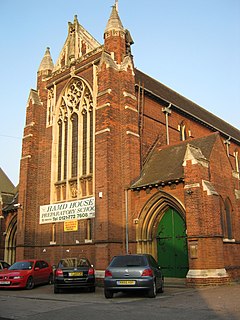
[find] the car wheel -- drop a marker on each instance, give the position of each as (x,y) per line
(108,294)
(30,283)
(161,289)
(56,290)
(153,291)
(92,289)
(50,279)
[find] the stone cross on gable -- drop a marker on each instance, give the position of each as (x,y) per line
(116,5)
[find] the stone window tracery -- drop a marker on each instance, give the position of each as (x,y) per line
(74,142)
(50,106)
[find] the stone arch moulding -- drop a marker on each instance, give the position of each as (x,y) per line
(149,218)
(10,241)
(74,96)
(73,141)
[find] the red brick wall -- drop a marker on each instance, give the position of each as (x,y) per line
(117,164)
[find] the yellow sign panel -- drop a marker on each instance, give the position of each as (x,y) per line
(71,225)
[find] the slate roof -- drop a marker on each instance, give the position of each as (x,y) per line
(164,165)
(9,207)
(6,186)
(182,104)
(7,189)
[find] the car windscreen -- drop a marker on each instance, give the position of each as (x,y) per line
(22,265)
(128,261)
(73,262)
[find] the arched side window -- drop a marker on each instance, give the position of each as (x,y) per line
(228,212)
(226,218)
(74,143)
(223,218)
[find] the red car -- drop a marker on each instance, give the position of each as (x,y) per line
(4,265)
(26,274)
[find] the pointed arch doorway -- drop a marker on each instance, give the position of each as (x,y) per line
(10,241)
(172,245)
(161,231)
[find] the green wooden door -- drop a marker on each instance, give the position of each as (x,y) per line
(172,245)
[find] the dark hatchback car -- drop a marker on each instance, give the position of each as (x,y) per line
(74,273)
(133,272)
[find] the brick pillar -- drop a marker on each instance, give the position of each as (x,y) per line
(205,243)
(117,153)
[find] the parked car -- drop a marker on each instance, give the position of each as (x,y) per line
(4,265)
(74,273)
(26,274)
(133,272)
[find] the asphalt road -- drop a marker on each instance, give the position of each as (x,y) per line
(41,303)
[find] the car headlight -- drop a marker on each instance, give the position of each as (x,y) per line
(18,277)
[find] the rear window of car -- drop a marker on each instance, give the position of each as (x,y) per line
(73,262)
(128,261)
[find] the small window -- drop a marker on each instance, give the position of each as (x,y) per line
(226,214)
(228,218)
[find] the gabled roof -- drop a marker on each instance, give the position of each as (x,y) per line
(7,189)
(166,164)
(182,104)
(34,97)
(79,42)
(10,206)
(6,185)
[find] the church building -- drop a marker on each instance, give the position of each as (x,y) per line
(115,162)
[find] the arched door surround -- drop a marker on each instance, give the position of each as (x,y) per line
(149,218)
(10,241)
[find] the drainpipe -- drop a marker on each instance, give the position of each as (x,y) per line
(167,112)
(126,218)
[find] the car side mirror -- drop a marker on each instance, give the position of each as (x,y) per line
(37,269)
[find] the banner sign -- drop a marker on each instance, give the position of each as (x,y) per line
(64,211)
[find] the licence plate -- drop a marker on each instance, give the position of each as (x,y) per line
(76,274)
(5,282)
(126,282)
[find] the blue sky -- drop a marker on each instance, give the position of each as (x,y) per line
(192,46)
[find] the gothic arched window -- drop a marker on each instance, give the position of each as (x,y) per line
(226,214)
(74,145)
(228,210)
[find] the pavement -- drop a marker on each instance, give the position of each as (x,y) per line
(177,301)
